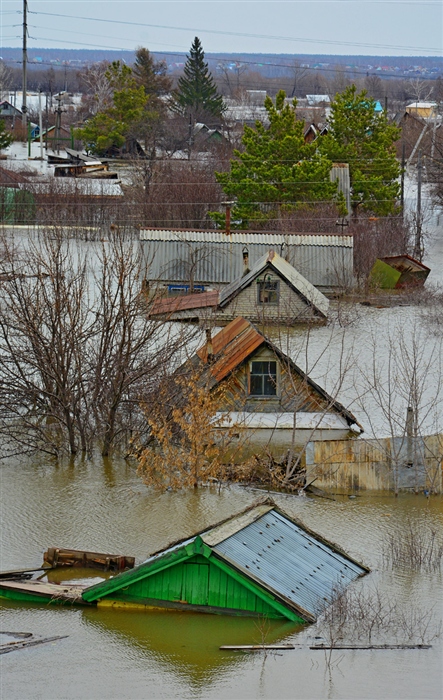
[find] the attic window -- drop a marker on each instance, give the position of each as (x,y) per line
(263,378)
(268,291)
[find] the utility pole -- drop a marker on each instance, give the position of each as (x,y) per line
(402,187)
(417,246)
(25,63)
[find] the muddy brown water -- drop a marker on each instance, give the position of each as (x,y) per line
(102,506)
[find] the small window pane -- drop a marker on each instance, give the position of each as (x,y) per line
(263,379)
(268,292)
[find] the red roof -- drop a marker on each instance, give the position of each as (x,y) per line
(170,305)
(231,346)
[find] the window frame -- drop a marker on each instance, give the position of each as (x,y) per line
(262,290)
(263,375)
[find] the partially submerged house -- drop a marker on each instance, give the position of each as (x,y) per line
(260,562)
(185,258)
(272,292)
(264,393)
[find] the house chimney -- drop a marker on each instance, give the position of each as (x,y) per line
(209,353)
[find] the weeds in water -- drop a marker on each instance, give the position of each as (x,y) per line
(369,616)
(417,547)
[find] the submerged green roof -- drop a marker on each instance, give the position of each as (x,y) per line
(260,562)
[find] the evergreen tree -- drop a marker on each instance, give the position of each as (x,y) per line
(360,136)
(196,93)
(6,138)
(151,74)
(277,171)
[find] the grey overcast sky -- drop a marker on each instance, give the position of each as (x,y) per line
(371,27)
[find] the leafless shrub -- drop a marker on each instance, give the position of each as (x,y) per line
(417,547)
(176,193)
(369,615)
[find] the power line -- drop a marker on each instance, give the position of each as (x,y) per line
(243,34)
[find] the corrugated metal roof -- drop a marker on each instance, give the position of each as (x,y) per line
(181,303)
(290,561)
(298,567)
(245,237)
(231,346)
(326,261)
(300,284)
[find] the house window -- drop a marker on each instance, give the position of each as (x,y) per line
(268,291)
(263,378)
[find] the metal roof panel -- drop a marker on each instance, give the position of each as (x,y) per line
(290,561)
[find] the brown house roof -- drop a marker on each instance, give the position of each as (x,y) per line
(164,307)
(235,343)
(9,178)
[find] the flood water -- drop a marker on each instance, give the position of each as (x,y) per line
(102,505)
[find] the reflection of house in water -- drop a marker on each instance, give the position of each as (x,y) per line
(271,292)
(258,563)
(263,390)
(183,258)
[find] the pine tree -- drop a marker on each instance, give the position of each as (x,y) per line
(6,138)
(197,92)
(358,135)
(276,171)
(151,74)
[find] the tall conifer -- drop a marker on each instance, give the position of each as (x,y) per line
(196,93)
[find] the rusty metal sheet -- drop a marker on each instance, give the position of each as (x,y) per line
(231,346)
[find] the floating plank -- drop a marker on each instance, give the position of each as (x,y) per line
(40,591)
(15,646)
(373,646)
(256,647)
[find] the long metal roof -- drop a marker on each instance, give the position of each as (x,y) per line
(289,561)
(245,237)
(299,283)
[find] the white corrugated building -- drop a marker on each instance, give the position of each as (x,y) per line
(183,258)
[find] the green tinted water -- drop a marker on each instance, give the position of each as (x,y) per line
(103,506)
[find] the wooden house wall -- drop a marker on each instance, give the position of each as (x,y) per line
(294,394)
(195,582)
(290,306)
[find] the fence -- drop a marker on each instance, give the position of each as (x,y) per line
(389,464)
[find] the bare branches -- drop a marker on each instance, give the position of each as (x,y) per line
(76,351)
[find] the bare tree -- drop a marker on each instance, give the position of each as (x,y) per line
(77,353)
(5,80)
(401,395)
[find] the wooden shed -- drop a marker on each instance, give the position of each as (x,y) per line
(260,562)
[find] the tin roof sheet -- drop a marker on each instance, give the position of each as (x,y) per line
(231,346)
(182,303)
(245,237)
(289,561)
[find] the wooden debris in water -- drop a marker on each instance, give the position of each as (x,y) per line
(25,643)
(55,557)
(372,646)
(256,647)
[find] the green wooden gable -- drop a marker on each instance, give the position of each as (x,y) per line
(190,576)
